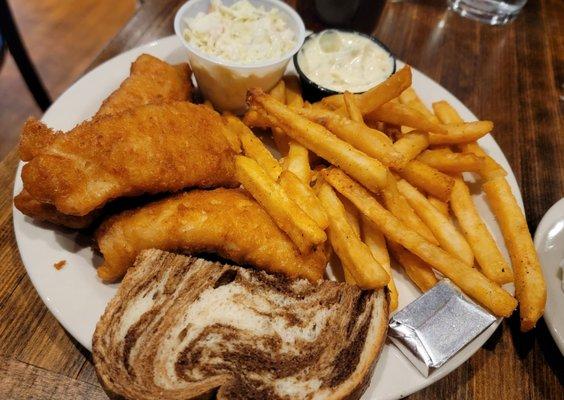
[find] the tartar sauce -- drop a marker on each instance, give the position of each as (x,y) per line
(240,33)
(342,61)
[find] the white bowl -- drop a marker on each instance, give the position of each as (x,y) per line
(225,83)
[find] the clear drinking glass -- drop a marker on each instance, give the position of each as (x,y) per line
(493,12)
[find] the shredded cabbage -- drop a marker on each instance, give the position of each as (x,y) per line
(240,33)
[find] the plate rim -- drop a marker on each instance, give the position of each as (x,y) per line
(170,41)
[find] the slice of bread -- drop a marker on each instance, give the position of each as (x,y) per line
(184,328)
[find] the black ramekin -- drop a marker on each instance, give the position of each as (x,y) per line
(313,91)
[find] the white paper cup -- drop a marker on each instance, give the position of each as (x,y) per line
(225,83)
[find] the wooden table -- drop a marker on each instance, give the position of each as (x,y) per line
(513,75)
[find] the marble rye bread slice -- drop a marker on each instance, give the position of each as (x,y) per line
(182,327)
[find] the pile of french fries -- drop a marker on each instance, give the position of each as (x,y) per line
(378,173)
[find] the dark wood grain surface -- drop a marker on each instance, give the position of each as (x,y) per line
(513,75)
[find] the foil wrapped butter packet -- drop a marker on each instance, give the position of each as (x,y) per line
(433,328)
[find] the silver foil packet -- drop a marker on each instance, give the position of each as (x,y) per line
(433,328)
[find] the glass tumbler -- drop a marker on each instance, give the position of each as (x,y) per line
(493,12)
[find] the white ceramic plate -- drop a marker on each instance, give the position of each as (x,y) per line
(77,298)
(549,241)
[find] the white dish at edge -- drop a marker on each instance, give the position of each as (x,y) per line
(549,242)
(77,298)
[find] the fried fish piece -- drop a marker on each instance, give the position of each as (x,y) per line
(35,137)
(149,149)
(150,81)
(46,212)
(228,222)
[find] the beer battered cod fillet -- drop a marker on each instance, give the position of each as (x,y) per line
(150,81)
(46,212)
(182,328)
(149,149)
(228,222)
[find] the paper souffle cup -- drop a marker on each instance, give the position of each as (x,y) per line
(225,83)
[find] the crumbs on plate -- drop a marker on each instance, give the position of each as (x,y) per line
(60,265)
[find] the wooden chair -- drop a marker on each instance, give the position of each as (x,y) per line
(10,39)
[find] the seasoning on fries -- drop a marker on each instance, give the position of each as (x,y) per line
(451,163)
(399,114)
(439,205)
(304,197)
(376,242)
(446,233)
(254,148)
(472,282)
(412,144)
(378,95)
(365,270)
(371,172)
(301,229)
(398,206)
(488,255)
(428,179)
(370,141)
(424,184)
(420,273)
(352,108)
(530,287)
(297,161)
(410,98)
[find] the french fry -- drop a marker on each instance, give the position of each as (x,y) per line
(371,172)
(470,280)
(439,205)
(297,161)
(300,228)
(490,169)
(370,141)
(378,95)
(490,259)
(352,107)
(353,219)
(365,270)
(399,114)
(443,150)
(530,287)
(451,163)
(280,139)
(254,148)
(293,92)
(443,229)
(279,91)
(446,113)
(253,119)
(385,91)
(410,98)
(420,273)
(352,214)
(428,179)
(376,242)
(412,144)
(461,133)
(303,195)
(398,206)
